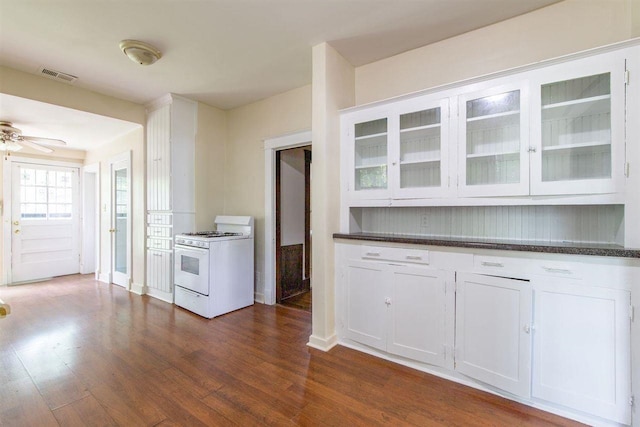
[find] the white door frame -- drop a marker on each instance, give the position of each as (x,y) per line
(90,237)
(271,145)
(7,201)
(126,157)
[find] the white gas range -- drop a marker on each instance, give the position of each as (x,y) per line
(214,269)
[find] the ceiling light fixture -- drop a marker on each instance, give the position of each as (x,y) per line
(140,52)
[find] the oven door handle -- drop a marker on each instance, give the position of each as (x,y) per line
(191,248)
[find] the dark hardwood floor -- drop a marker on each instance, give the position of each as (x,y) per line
(77,352)
(301,301)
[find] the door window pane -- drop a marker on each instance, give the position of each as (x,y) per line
(45,194)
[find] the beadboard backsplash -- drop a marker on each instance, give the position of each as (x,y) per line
(601,224)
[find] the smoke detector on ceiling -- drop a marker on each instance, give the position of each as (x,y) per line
(140,52)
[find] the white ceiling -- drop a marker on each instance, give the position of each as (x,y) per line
(79,129)
(225,53)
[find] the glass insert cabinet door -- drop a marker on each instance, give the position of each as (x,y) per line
(577,119)
(493,135)
(370,158)
(423,150)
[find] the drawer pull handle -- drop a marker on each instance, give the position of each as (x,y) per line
(492,264)
(414,257)
(157,254)
(557,270)
(373,253)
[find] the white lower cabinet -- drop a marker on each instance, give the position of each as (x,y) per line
(516,324)
(159,270)
(397,308)
(581,355)
(493,331)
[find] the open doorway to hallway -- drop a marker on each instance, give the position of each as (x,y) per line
(293,227)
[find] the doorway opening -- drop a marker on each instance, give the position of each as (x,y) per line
(293,227)
(266,290)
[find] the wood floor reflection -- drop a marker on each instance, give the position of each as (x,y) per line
(301,301)
(76,352)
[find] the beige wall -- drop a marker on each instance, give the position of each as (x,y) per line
(25,85)
(248,127)
(563,28)
(133,141)
(211,150)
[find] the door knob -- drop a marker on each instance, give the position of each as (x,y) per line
(17,231)
(16,223)
(112,230)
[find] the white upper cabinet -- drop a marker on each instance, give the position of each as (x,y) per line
(548,131)
(577,120)
(493,142)
(399,152)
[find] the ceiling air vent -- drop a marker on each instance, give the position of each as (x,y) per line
(57,75)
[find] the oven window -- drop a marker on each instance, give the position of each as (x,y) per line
(190,264)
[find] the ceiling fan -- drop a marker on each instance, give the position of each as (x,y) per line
(11,139)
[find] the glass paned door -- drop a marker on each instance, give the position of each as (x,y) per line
(121,218)
(493,131)
(45,220)
(576,129)
(370,154)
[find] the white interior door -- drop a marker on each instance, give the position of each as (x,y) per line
(121,220)
(44,221)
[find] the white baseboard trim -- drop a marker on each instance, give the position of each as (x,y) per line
(258,297)
(161,295)
(138,288)
(324,344)
(104,277)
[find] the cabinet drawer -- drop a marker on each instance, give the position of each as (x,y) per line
(523,268)
(159,219)
(558,269)
(415,256)
(502,266)
(159,243)
(192,301)
(159,232)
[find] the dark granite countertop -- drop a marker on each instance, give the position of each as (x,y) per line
(503,245)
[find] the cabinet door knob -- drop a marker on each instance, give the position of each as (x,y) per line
(387,301)
(527,329)
(532,149)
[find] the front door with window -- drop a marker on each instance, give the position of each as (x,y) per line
(44,222)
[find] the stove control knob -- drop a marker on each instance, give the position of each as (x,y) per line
(201,244)
(179,240)
(189,242)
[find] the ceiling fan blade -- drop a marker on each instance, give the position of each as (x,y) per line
(36,146)
(48,141)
